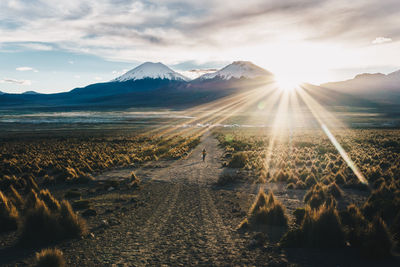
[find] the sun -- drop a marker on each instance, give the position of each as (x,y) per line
(287,83)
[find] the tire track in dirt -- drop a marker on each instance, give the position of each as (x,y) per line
(178,224)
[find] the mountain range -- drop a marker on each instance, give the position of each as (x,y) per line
(158,86)
(376,86)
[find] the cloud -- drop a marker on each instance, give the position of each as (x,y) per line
(26,69)
(381,40)
(193,74)
(119,73)
(36,46)
(21,82)
(175,31)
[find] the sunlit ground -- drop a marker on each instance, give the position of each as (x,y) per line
(281,106)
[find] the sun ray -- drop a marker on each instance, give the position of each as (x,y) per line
(319,112)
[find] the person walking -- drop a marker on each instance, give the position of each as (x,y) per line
(204,153)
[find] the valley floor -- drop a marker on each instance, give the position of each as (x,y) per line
(178,217)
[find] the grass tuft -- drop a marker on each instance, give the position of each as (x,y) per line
(49,258)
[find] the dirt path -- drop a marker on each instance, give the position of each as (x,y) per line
(182,220)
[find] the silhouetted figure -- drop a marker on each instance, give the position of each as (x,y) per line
(204,154)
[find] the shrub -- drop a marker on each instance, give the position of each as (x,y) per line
(16,198)
(49,200)
(384,202)
(39,226)
(281,176)
(320,229)
(378,243)
(244,225)
(318,196)
(355,225)
(239,160)
(395,229)
(8,214)
(339,178)
(290,186)
(301,185)
(299,215)
(43,225)
(49,258)
(335,190)
(72,224)
(310,180)
(266,210)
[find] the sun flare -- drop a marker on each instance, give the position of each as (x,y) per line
(287,83)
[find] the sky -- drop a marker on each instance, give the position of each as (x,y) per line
(52,46)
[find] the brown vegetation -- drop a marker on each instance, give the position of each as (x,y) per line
(49,258)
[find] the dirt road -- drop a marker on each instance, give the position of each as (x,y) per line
(182,220)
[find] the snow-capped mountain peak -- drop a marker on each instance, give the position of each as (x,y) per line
(150,70)
(238,69)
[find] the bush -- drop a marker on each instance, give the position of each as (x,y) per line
(299,215)
(239,160)
(49,258)
(384,202)
(335,190)
(318,196)
(339,178)
(395,229)
(16,198)
(43,225)
(310,180)
(266,210)
(320,229)
(8,214)
(49,200)
(378,243)
(355,225)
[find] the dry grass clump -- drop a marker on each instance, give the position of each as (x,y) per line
(238,160)
(8,214)
(47,220)
(16,198)
(319,229)
(267,210)
(384,202)
(49,258)
(299,215)
(377,242)
(75,157)
(318,196)
(335,190)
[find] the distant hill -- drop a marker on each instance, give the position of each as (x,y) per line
(377,86)
(31,93)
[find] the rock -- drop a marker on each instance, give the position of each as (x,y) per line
(110,189)
(89,213)
(104,224)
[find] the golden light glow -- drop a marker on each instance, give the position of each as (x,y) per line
(282,106)
(287,82)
